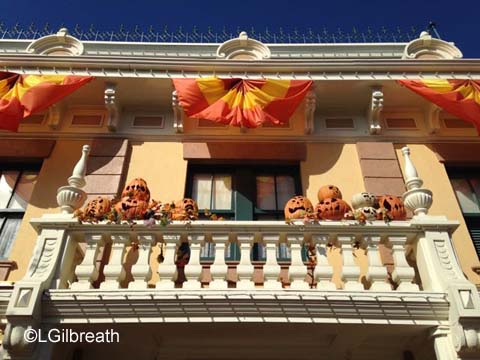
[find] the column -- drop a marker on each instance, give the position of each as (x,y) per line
(219,269)
(350,271)
(193,270)
(323,271)
(297,270)
(141,271)
(114,271)
(245,267)
(403,274)
(377,273)
(271,269)
(87,272)
(167,270)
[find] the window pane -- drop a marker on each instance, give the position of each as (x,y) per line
(7,183)
(23,190)
(285,190)
(476,187)
(266,192)
(9,231)
(202,187)
(467,199)
(222,190)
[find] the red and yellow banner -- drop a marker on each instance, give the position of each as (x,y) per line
(458,97)
(22,95)
(241,102)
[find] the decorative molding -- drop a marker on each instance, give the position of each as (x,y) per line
(427,47)
(432,115)
(55,115)
(177,113)
(310,106)
(243,48)
(374,110)
(59,44)
(112,105)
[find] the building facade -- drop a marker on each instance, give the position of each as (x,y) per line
(402,289)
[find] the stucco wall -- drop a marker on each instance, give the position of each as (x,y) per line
(445,202)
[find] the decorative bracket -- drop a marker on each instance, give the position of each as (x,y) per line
(55,114)
(177,113)
(374,109)
(433,118)
(112,105)
(310,105)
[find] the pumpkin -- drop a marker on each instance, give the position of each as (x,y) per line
(297,207)
(185,209)
(131,209)
(97,208)
(137,189)
(363,199)
(329,191)
(393,207)
(367,213)
(332,209)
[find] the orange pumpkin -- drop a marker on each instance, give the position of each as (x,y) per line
(97,208)
(185,209)
(131,209)
(137,189)
(393,207)
(297,207)
(332,209)
(329,191)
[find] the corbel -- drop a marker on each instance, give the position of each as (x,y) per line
(177,113)
(54,115)
(374,110)
(112,105)
(432,115)
(310,105)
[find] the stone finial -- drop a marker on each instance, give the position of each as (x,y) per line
(416,198)
(72,197)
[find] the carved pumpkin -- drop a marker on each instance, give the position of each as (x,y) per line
(98,207)
(185,209)
(297,207)
(332,209)
(367,213)
(131,209)
(329,191)
(363,199)
(393,207)
(137,189)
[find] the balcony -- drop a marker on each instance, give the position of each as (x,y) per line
(102,273)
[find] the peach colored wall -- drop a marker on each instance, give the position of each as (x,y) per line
(54,173)
(445,202)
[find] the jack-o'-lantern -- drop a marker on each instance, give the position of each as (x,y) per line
(392,206)
(98,207)
(363,199)
(367,213)
(137,189)
(131,209)
(297,208)
(329,191)
(185,209)
(332,209)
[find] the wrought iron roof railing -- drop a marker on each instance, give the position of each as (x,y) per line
(180,35)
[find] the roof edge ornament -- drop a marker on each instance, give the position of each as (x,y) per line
(243,48)
(61,43)
(426,47)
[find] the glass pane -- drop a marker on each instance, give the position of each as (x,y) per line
(7,183)
(9,231)
(222,192)
(476,187)
(467,199)
(285,190)
(202,187)
(266,192)
(23,190)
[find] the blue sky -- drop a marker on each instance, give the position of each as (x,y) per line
(457,21)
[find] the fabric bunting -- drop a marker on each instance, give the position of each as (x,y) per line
(458,97)
(22,95)
(241,102)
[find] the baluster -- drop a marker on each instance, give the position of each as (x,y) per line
(87,272)
(141,271)
(219,268)
(271,269)
(193,270)
(323,271)
(245,267)
(297,270)
(167,270)
(403,274)
(114,271)
(377,273)
(350,271)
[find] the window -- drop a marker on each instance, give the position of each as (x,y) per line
(16,187)
(466,183)
(243,192)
